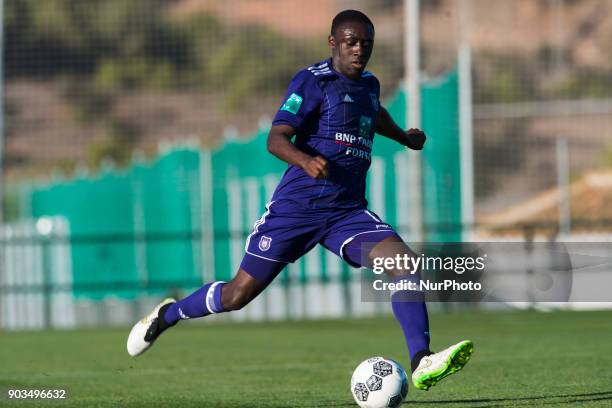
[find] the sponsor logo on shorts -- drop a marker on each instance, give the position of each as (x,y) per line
(379,226)
(264,243)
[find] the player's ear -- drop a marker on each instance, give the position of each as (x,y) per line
(331,41)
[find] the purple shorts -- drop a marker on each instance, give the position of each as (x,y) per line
(286,232)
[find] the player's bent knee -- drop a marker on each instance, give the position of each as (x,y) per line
(406,269)
(402,273)
(393,248)
(389,248)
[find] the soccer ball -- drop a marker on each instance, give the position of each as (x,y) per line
(379,382)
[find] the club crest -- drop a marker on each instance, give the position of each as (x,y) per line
(264,243)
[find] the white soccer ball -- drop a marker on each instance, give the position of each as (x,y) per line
(379,382)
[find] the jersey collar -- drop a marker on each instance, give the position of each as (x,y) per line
(341,75)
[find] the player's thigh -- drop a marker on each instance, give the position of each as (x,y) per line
(263,271)
(355,234)
(282,235)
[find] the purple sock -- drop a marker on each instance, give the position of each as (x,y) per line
(202,302)
(411,313)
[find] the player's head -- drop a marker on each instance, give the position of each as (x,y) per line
(351,42)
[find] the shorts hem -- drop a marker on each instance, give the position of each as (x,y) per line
(267,259)
(348,241)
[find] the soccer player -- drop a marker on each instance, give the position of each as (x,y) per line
(333,110)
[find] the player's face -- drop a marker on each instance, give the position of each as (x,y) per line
(351,46)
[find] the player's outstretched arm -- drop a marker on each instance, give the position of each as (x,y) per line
(385,125)
(279,144)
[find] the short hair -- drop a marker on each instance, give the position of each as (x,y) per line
(350,16)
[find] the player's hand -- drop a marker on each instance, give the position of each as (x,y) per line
(415,139)
(316,167)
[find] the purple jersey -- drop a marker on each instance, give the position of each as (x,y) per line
(334,117)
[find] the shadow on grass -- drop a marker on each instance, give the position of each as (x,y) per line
(543,399)
(500,402)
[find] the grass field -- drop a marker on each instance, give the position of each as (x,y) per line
(521,359)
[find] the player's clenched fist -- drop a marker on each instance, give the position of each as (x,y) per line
(316,167)
(415,139)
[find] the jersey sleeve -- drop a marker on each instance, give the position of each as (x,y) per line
(376,88)
(303,97)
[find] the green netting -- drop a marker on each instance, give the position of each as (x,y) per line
(167,211)
(441,160)
(132,228)
(94,208)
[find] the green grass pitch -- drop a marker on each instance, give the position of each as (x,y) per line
(523,359)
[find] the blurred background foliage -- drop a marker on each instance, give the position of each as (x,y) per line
(97,44)
(109,52)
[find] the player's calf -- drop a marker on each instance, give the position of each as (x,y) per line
(240,291)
